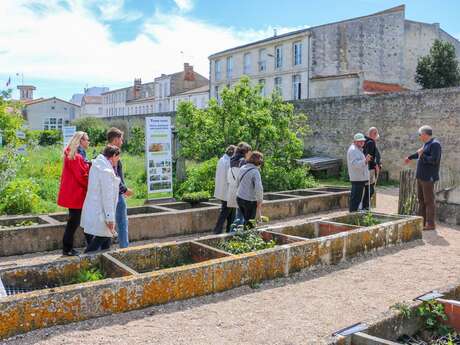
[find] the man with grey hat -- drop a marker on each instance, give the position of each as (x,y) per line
(427,173)
(358,170)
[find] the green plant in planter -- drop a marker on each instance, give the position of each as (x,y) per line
(88,275)
(403,308)
(367,220)
(19,224)
(196,197)
(245,241)
(433,314)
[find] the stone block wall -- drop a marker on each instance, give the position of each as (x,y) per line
(397,115)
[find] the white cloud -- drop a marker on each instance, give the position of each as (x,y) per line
(74,45)
(184,5)
(114,10)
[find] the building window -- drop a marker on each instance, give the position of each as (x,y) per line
(53,107)
(52,123)
(99,110)
(165,89)
(159,107)
(174,105)
(218,69)
(278,85)
(216,93)
(247,63)
(262,90)
(296,87)
(279,57)
(297,53)
(229,67)
(262,60)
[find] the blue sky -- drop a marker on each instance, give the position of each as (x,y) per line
(61,46)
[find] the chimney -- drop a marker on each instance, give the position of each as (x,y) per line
(137,88)
(26,92)
(189,75)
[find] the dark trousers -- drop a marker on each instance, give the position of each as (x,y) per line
(226,214)
(356,196)
(248,208)
(368,197)
(72,225)
(426,204)
(99,242)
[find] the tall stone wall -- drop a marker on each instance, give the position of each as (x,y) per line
(373,44)
(398,116)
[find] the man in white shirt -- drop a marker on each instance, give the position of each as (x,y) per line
(221,190)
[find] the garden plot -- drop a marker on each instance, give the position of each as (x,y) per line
(366,218)
(433,319)
(302,192)
(61,273)
(179,206)
(273,196)
(317,229)
(157,257)
(17,222)
(161,273)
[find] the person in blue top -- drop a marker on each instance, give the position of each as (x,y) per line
(429,160)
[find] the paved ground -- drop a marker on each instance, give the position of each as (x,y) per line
(302,309)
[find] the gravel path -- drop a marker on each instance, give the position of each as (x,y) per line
(302,309)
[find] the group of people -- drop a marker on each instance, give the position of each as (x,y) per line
(238,185)
(364,164)
(94,193)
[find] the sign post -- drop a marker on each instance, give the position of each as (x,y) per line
(158,156)
(67,134)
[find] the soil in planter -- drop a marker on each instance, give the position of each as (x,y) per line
(244,242)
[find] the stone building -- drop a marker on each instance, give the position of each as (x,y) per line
(199,97)
(153,97)
(374,53)
(50,113)
(91,106)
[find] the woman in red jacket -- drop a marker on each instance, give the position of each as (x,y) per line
(74,183)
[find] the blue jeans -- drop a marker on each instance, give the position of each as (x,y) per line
(121,218)
(239,220)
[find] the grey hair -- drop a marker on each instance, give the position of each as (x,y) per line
(372,129)
(426,130)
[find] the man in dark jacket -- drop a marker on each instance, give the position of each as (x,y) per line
(115,137)
(429,160)
(370,148)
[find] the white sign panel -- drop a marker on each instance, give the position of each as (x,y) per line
(158,153)
(67,134)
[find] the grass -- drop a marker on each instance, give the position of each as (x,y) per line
(44,166)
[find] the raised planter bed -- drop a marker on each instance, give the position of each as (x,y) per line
(408,327)
(302,192)
(15,222)
(273,196)
(176,271)
(317,229)
(162,220)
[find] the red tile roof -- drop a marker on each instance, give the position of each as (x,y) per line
(92,100)
(378,87)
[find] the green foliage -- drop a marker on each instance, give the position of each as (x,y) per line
(278,176)
(368,220)
(433,314)
(136,143)
(403,308)
(48,137)
(19,224)
(196,197)
(88,275)
(20,196)
(267,123)
(439,68)
(200,177)
(94,127)
(245,241)
(11,119)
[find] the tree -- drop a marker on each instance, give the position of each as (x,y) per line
(268,124)
(439,68)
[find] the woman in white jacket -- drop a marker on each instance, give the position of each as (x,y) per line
(98,214)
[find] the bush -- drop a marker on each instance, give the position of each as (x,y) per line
(49,137)
(277,177)
(20,196)
(196,197)
(200,177)
(136,143)
(94,127)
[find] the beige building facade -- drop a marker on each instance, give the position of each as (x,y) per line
(337,59)
(50,113)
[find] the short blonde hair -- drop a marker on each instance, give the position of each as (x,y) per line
(74,144)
